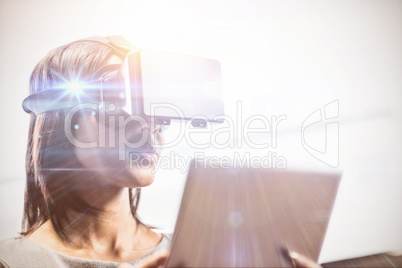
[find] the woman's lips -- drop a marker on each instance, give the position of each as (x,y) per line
(151,157)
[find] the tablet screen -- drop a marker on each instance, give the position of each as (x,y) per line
(244,217)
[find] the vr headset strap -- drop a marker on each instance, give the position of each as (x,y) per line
(34,102)
(115,42)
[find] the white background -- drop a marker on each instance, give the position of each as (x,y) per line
(278,57)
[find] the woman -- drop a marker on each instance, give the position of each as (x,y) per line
(80,204)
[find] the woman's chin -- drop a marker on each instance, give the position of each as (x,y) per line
(121,173)
(136,177)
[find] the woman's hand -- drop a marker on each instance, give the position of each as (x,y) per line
(156,260)
(301,261)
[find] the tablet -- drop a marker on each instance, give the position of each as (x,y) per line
(244,217)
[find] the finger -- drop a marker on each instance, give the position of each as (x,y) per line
(154,261)
(302,261)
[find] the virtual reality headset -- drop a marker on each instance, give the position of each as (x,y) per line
(161,86)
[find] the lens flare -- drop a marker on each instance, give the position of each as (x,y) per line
(74,87)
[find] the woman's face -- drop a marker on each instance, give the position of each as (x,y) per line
(127,148)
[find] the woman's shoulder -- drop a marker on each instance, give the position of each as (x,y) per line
(20,252)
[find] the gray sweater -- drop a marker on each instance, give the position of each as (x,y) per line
(21,252)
